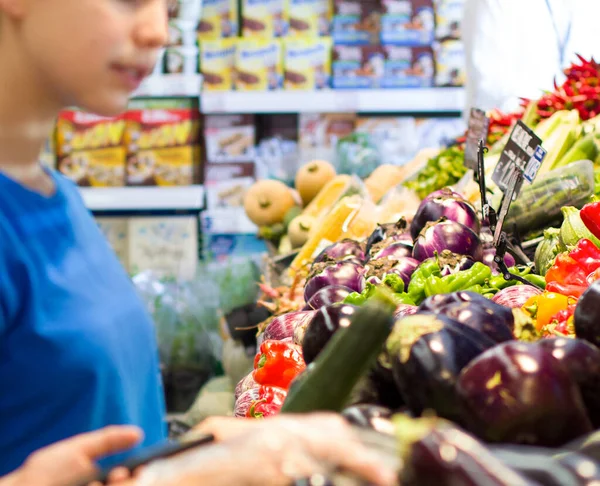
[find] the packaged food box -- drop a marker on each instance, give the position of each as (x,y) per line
(219,20)
(166,245)
(48,154)
(450,63)
(319,134)
(259,65)
(221,247)
(180,60)
(217,64)
(408,22)
(309,18)
(358,67)
(307,63)
(227,193)
(185,9)
(448,19)
(224,171)
(356,22)
(162,141)
(408,67)
(264,18)
(89,148)
(229,138)
(116,231)
(182,33)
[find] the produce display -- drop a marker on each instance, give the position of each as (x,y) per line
(414,320)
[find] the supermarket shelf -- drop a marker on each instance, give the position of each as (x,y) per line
(170,85)
(422,100)
(144,198)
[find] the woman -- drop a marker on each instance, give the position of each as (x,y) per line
(77,348)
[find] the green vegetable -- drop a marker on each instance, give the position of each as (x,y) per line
(329,381)
(547,250)
(392,282)
(478,274)
(445,169)
(573,229)
(499,282)
(416,287)
(536,280)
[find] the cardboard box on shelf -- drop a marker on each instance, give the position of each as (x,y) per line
(116,231)
(319,133)
(224,171)
(181,60)
(358,67)
(450,64)
(307,63)
(165,245)
(408,22)
(356,22)
(162,141)
(89,148)
(264,18)
(217,64)
(229,138)
(448,19)
(259,65)
(227,194)
(219,20)
(309,18)
(408,67)
(182,33)
(185,9)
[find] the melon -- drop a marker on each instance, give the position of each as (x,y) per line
(312,177)
(267,202)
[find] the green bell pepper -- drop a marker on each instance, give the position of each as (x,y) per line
(478,274)
(416,287)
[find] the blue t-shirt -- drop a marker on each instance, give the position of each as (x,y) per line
(77,348)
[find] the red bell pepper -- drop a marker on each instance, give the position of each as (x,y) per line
(562,323)
(570,272)
(269,403)
(277,363)
(590,215)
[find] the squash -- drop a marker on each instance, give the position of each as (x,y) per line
(299,230)
(329,195)
(312,177)
(382,179)
(267,202)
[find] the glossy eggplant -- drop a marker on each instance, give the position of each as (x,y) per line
(395,251)
(587,315)
(345,249)
(582,360)
(427,353)
(323,326)
(328,296)
(370,416)
(283,326)
(519,393)
(447,235)
(348,274)
(385,232)
(377,269)
(451,263)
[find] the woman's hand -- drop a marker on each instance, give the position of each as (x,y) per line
(273,451)
(71,461)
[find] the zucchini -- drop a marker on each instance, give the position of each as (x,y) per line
(328,382)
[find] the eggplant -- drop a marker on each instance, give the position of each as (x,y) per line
(447,235)
(587,315)
(582,361)
(451,263)
(444,205)
(436,303)
(437,453)
(323,325)
(427,353)
(376,270)
(244,385)
(519,393)
(586,471)
(516,296)
(345,249)
(405,310)
(347,274)
(493,320)
(370,416)
(488,259)
(395,251)
(245,400)
(385,232)
(283,326)
(328,296)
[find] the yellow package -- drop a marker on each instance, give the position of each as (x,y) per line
(259,65)
(219,19)
(264,18)
(217,61)
(307,63)
(309,18)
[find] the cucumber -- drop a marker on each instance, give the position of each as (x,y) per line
(328,382)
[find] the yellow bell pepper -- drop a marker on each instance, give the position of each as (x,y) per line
(542,308)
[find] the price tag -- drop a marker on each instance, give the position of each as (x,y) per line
(479,124)
(522,153)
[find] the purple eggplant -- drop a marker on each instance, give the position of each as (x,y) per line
(395,251)
(404,239)
(282,327)
(244,401)
(328,296)
(515,297)
(370,416)
(387,231)
(488,259)
(404,310)
(582,361)
(404,268)
(427,353)
(376,270)
(347,274)
(475,311)
(444,206)
(519,393)
(244,385)
(447,235)
(587,315)
(451,263)
(324,324)
(444,192)
(346,249)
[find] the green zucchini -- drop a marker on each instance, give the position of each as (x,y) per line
(328,382)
